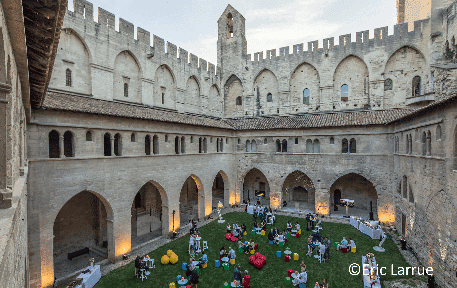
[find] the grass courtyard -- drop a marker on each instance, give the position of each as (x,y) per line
(274,271)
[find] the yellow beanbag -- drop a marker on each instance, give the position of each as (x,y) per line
(169,253)
(165,259)
(173,258)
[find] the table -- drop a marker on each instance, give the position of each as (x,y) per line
(294,232)
(347,202)
(287,252)
(151,262)
(234,285)
(250,209)
(365,229)
(89,280)
(182,282)
(367,272)
(225,259)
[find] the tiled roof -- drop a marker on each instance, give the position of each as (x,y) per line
(62,101)
(66,102)
(355,118)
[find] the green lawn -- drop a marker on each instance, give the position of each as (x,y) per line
(274,272)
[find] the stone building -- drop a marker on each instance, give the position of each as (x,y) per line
(130,141)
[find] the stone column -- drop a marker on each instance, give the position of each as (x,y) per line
(119,231)
(61,149)
(112,145)
(6,195)
(47,256)
(321,201)
(165,221)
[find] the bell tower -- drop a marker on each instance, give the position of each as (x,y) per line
(231,43)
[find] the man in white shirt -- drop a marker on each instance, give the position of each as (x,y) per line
(192,242)
(303,277)
(297,226)
(232,253)
(321,248)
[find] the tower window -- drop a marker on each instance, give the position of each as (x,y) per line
(68,77)
(388,85)
(239,101)
(344,92)
(416,86)
(306,96)
(229,25)
(269,97)
(126,90)
(163,98)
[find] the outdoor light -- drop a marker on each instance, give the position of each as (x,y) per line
(125,256)
(174,232)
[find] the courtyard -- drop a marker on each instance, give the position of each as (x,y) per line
(273,273)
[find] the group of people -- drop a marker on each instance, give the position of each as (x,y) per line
(194,245)
(312,221)
(276,236)
(237,230)
(230,254)
(315,241)
(191,272)
(140,264)
(265,214)
(241,280)
(246,246)
(193,227)
(346,244)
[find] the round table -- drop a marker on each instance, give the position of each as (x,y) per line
(225,259)
(295,275)
(234,285)
(151,262)
(182,282)
(294,231)
(288,252)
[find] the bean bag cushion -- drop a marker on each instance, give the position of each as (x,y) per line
(263,258)
(289,272)
(287,258)
(228,236)
(251,259)
(165,259)
(234,239)
(258,263)
(173,258)
(257,254)
(169,253)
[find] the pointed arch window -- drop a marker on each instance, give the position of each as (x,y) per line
(429,143)
(107,144)
(317,146)
(306,96)
(183,145)
(147,145)
(253,146)
(424,143)
(309,146)
(54,145)
(239,101)
(177,145)
(68,78)
(88,136)
(155,144)
(388,84)
(438,132)
(248,146)
(352,146)
(278,145)
(132,137)
(332,140)
(284,145)
(229,25)
(68,144)
(118,144)
(269,97)
(344,92)
(344,146)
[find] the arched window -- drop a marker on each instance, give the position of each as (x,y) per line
(388,84)
(68,78)
(54,145)
(226,140)
(239,141)
(191,139)
(429,143)
(407,143)
(163,98)
(404,186)
(177,145)
(222,145)
(399,188)
(183,145)
(68,144)
(133,137)
(284,145)
(217,146)
(306,96)
(126,90)
(453,42)
(332,140)
(118,144)
(88,136)
(239,101)
(200,145)
(411,195)
(296,140)
(438,132)
(248,146)
(344,146)
(265,141)
(344,92)
(352,146)
(416,86)
(253,146)
(317,146)
(410,144)
(309,146)
(269,97)
(278,145)
(229,25)
(147,145)
(107,144)
(155,144)
(424,143)
(205,146)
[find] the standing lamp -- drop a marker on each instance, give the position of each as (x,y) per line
(174,232)
(403,244)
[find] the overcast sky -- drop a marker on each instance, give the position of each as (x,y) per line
(192,25)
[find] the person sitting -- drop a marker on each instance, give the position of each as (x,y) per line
(237,275)
(229,228)
(189,266)
(303,266)
(246,279)
(246,247)
(316,237)
(255,226)
(335,207)
(297,226)
(275,232)
(264,225)
(231,253)
(281,238)
(252,245)
(243,228)
(325,283)
(234,227)
(343,244)
(203,260)
(223,253)
(319,222)
(289,226)
(351,243)
(271,237)
(236,233)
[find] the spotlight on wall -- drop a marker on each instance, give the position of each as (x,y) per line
(150,55)
(247,68)
(125,257)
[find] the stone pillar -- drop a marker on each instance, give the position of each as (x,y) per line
(321,201)
(47,256)
(6,195)
(61,149)
(275,199)
(165,221)
(119,231)
(112,145)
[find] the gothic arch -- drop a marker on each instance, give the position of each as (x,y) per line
(266,83)
(184,199)
(304,76)
(354,171)
(127,70)
(72,31)
(232,89)
(164,87)
(192,95)
(251,193)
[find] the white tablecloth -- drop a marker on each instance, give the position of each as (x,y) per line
(89,280)
(367,272)
(373,233)
(250,209)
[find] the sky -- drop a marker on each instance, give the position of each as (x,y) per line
(192,24)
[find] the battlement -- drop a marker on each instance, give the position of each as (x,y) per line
(362,42)
(85,10)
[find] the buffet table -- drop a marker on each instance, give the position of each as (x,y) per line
(366,229)
(250,209)
(90,279)
(366,274)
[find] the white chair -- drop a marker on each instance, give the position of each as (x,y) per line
(142,275)
(136,272)
(205,245)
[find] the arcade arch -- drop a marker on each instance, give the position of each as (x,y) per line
(298,191)
(191,200)
(256,186)
(220,189)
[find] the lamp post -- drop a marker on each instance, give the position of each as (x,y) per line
(174,232)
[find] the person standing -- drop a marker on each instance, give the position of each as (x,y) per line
(194,277)
(246,279)
(327,244)
(237,275)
